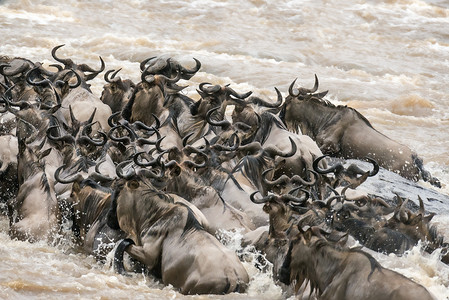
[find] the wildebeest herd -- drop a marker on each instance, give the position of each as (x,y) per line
(158,174)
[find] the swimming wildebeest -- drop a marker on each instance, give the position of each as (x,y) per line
(168,238)
(338,273)
(343,131)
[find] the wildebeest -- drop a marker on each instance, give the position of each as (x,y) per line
(169,240)
(335,272)
(221,215)
(343,131)
(91,202)
(272,131)
(34,213)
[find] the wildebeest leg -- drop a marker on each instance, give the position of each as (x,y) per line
(424,173)
(118,255)
(149,253)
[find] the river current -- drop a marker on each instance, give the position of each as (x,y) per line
(388,59)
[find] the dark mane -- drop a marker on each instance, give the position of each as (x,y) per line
(267,121)
(44,183)
(192,223)
(327,103)
(316,101)
(435,238)
(93,184)
(251,166)
(82,165)
(374,263)
(322,243)
(127,109)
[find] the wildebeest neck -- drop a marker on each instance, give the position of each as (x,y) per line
(315,115)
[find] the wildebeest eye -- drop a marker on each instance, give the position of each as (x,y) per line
(133,184)
(267,208)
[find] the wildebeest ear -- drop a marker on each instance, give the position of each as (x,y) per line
(417,219)
(175,171)
(343,240)
(44,153)
(54,109)
(267,208)
(308,234)
(428,218)
(133,184)
(76,187)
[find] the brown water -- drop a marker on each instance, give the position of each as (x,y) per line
(388,59)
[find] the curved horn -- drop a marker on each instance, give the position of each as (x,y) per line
(209,89)
(151,174)
(21,104)
(58,67)
(97,176)
(375,167)
(78,80)
(296,179)
(85,136)
(237,95)
(195,69)
(168,80)
(226,148)
(293,199)
(260,101)
(124,139)
(224,124)
(67,62)
(119,170)
(150,163)
(273,151)
(144,62)
(78,177)
(158,144)
(291,91)
(186,138)
(29,79)
(114,73)
(315,86)
(111,118)
(155,67)
(191,164)
(316,168)
(191,72)
(303,91)
(142,126)
(65,138)
(263,200)
(250,148)
(94,73)
(281,180)
(22,68)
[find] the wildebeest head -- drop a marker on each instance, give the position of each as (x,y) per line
(346,176)
(248,111)
(302,254)
(116,92)
(415,225)
(168,67)
(149,98)
(216,95)
(293,103)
